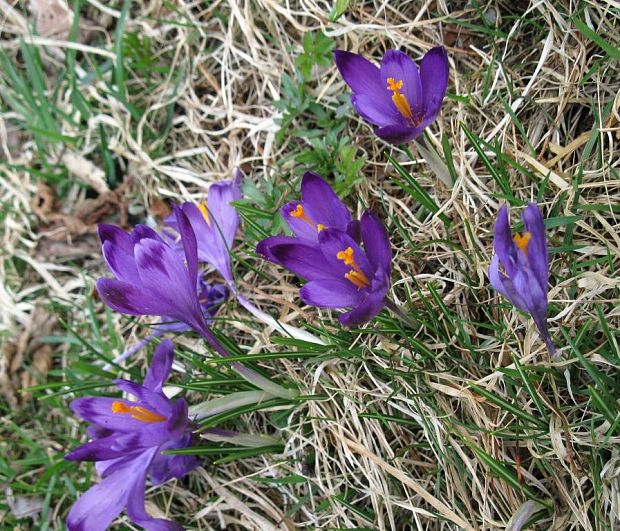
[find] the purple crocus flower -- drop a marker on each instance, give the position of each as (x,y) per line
(211,297)
(524,280)
(397,98)
(215,223)
(153,278)
(340,273)
(320,208)
(128,438)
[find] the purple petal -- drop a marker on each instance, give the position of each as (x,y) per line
(376,110)
(118,445)
(304,260)
(129,299)
(354,230)
(331,293)
(121,263)
(322,204)
(123,487)
(398,65)
(211,247)
(370,306)
(115,235)
(161,366)
(503,242)
(434,73)
(166,277)
(144,232)
(135,501)
(98,507)
(537,254)
(301,228)
(165,467)
(376,242)
(527,286)
(360,74)
(188,238)
(264,247)
(398,134)
(333,241)
(504,285)
(98,410)
(221,211)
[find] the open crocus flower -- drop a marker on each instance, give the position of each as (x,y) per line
(524,280)
(128,438)
(320,208)
(340,273)
(397,98)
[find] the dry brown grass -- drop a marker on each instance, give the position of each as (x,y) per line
(226,60)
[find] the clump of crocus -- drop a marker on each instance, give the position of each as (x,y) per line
(153,278)
(215,222)
(128,438)
(395,97)
(524,280)
(319,208)
(340,273)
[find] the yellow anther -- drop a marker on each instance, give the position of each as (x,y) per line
(394,86)
(139,413)
(346,256)
(358,278)
(521,241)
(202,206)
(300,213)
(400,100)
(356,275)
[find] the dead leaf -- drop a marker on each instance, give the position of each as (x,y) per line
(84,170)
(53,18)
(159,208)
(26,361)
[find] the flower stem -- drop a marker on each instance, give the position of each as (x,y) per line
(132,350)
(411,323)
(247,374)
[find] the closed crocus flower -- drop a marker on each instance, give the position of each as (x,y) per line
(215,223)
(319,208)
(153,278)
(524,277)
(400,100)
(340,273)
(128,438)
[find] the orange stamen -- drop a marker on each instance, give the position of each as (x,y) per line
(521,241)
(400,100)
(356,275)
(300,213)
(202,206)
(139,413)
